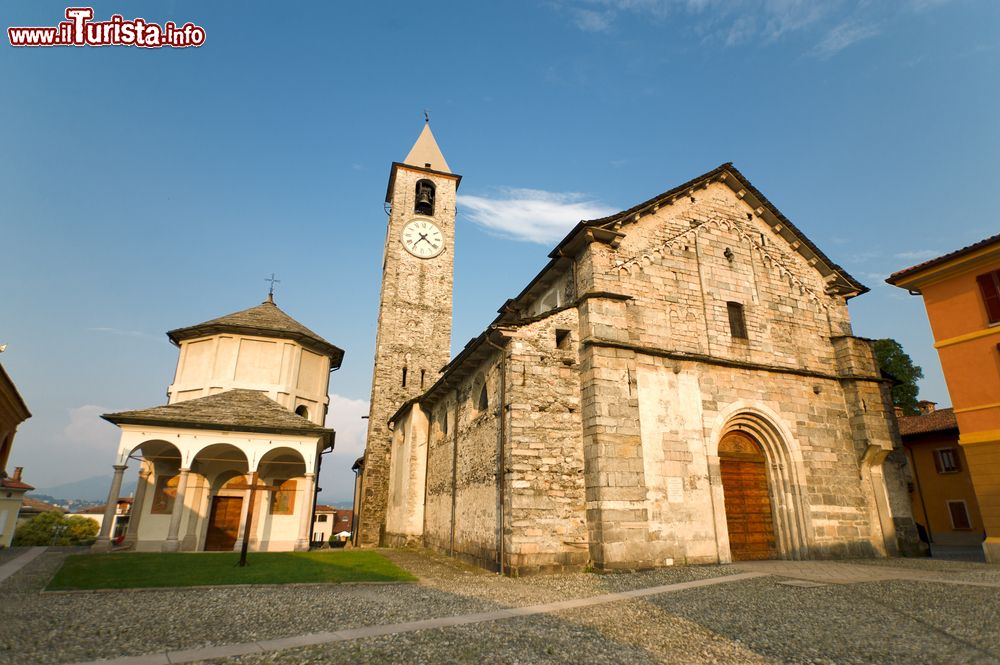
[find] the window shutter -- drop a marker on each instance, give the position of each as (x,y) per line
(937,461)
(989,285)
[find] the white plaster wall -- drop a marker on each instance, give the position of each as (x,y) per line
(9,506)
(290,374)
(675,463)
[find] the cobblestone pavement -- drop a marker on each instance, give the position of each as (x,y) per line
(761,620)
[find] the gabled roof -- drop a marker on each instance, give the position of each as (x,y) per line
(739,183)
(264,320)
(607,230)
(895,277)
(233,410)
(939,420)
(425,153)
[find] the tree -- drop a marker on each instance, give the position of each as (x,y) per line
(894,361)
(54,528)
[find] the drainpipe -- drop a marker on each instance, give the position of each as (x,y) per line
(317,489)
(454,472)
(501,407)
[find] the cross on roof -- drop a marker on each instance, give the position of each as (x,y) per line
(270,292)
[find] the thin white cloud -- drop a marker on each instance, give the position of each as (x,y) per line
(532,215)
(918,255)
(87,429)
(832,25)
(589,20)
(842,36)
(345,416)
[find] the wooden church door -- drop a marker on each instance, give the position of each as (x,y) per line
(224,523)
(746,496)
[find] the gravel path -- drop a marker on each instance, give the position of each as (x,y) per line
(958,570)
(749,621)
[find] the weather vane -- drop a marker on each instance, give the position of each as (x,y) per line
(270,292)
(427,116)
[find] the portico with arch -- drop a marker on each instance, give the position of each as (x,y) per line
(239,442)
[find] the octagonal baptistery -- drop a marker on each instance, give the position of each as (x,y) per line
(262,349)
(233,455)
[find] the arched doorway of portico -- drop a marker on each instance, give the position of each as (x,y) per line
(284,511)
(225,514)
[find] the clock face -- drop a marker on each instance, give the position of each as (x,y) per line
(422,238)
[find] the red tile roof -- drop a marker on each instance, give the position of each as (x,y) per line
(936,421)
(896,276)
(11,484)
(31,506)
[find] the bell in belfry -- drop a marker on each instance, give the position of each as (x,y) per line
(425,198)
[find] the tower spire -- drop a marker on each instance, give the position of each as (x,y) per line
(425,153)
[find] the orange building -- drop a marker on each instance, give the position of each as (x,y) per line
(961,292)
(942,495)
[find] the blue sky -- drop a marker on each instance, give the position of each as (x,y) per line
(143,190)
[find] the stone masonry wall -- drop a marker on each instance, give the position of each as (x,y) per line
(414,331)
(546,501)
(461,471)
(662,373)
(674,265)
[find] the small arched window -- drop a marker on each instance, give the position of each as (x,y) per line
(303,411)
(423,201)
(484,400)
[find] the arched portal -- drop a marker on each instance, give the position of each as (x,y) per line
(752,440)
(747,497)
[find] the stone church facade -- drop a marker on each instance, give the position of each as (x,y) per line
(679,384)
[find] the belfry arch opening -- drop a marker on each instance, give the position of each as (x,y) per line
(423,202)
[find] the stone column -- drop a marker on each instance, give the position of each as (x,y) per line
(171,544)
(198,496)
(103,542)
(132,535)
(302,545)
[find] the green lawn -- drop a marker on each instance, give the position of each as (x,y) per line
(141,569)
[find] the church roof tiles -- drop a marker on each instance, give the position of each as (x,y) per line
(265,320)
(232,410)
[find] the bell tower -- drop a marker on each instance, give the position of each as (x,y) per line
(413,341)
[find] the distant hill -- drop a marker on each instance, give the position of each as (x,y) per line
(93,489)
(328,501)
